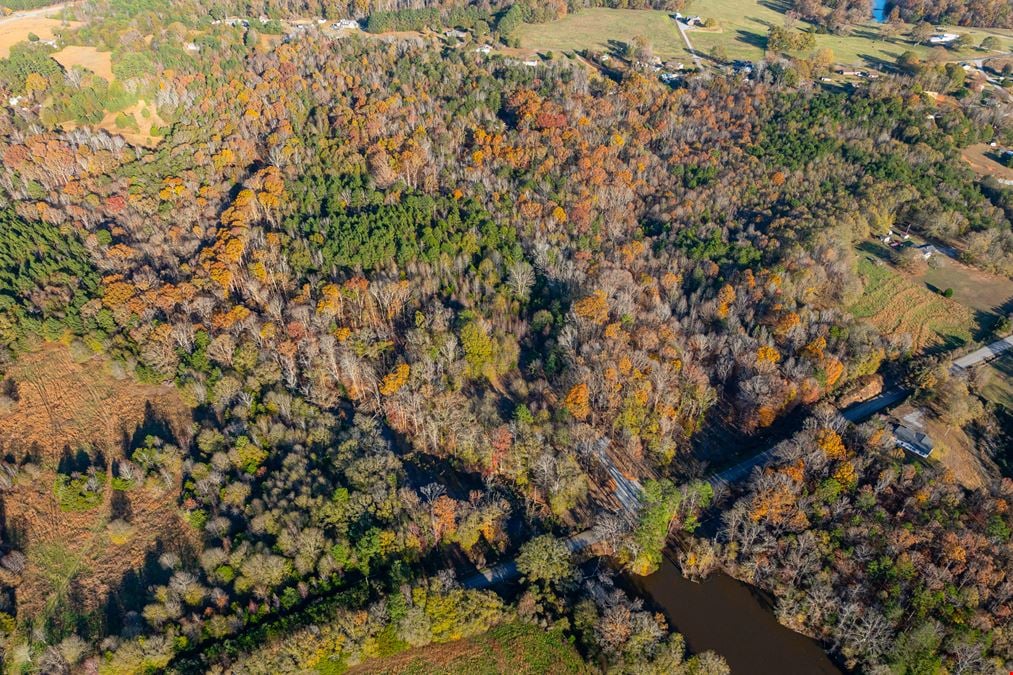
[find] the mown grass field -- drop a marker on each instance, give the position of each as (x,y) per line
(998,383)
(741,33)
(595,28)
(743,24)
(511,649)
(895,305)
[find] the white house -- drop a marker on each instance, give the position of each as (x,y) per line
(913,440)
(943,38)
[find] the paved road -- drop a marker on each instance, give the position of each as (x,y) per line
(41,11)
(866,409)
(689,45)
(628,490)
(986,353)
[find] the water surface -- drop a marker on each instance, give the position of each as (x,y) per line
(732,619)
(879,12)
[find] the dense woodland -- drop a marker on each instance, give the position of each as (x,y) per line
(888,562)
(360,259)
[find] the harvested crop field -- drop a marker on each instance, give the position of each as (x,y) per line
(56,406)
(893,304)
(89,58)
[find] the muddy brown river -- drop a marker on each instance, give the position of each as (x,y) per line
(734,620)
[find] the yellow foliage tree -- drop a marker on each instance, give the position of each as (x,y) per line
(830,442)
(578,401)
(593,308)
(396,379)
(767,354)
(726,296)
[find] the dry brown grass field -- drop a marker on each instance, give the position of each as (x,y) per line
(62,405)
(89,58)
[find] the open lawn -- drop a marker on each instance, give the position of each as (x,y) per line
(741,33)
(511,649)
(988,296)
(743,25)
(954,449)
(972,288)
(895,305)
(601,29)
(57,405)
(997,384)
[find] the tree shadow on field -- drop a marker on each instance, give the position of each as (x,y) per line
(779,6)
(120,507)
(880,63)
(153,424)
(985,324)
(752,39)
(73,461)
(617,47)
(866,33)
(121,613)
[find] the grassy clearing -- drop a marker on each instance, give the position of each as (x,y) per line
(741,33)
(138,124)
(972,288)
(743,25)
(998,381)
(896,305)
(16,28)
(514,649)
(598,29)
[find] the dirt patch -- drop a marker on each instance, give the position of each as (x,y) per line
(89,58)
(65,405)
(982,158)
